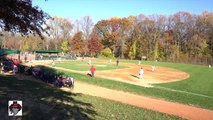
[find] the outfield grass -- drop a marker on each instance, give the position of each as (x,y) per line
(84,66)
(41,101)
(196,90)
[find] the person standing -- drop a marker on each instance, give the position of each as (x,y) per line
(90,62)
(53,63)
(139,62)
(117,62)
(92,70)
(141,72)
(153,68)
(19,58)
(25,58)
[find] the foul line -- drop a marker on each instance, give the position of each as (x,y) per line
(180,91)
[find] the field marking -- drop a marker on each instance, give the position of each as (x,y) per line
(180,91)
(101,65)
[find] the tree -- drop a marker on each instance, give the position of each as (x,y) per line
(64,46)
(107,53)
(21,16)
(77,43)
(94,44)
(66,27)
(10,41)
(181,26)
(86,26)
(60,29)
(112,33)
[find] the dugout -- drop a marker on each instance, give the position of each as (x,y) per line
(46,54)
(6,52)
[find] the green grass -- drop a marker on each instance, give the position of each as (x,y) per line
(84,66)
(189,92)
(41,101)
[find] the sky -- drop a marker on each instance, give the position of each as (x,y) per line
(104,9)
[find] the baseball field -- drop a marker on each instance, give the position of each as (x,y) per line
(173,89)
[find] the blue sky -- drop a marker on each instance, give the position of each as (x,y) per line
(104,9)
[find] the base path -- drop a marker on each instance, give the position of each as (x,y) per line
(172,108)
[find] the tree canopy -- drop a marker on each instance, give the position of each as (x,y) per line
(20,16)
(179,37)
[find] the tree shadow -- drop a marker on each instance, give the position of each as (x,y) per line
(41,101)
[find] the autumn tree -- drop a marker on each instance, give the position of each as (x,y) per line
(77,44)
(136,44)
(112,34)
(107,33)
(94,44)
(204,27)
(181,37)
(180,24)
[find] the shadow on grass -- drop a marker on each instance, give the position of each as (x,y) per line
(88,74)
(40,101)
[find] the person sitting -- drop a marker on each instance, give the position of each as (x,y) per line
(15,69)
(70,82)
(2,67)
(61,81)
(15,62)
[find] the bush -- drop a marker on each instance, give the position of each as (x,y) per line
(107,53)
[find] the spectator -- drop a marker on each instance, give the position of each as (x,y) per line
(15,62)
(25,58)
(15,69)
